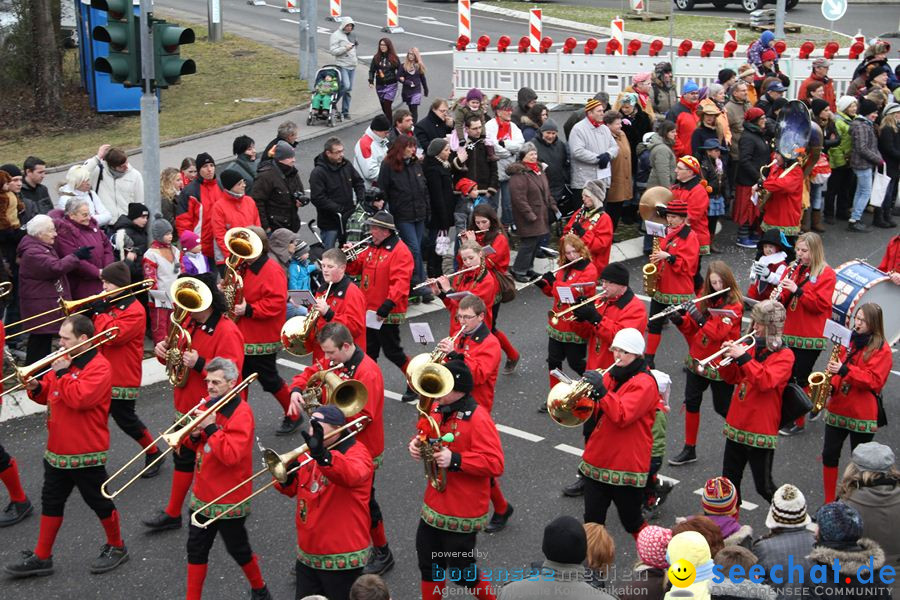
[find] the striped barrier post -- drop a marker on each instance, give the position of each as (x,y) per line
(393,17)
(638,6)
(618,34)
(464,12)
(290,6)
(730,36)
(334,11)
(534,30)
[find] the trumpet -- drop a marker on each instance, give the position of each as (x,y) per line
(244,246)
(676,307)
(709,360)
(432,280)
(298,331)
(277,465)
(353,251)
(28,373)
(174,437)
(559,268)
(427,376)
(189,295)
(349,395)
(568,403)
(566,314)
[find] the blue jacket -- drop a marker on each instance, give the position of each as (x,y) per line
(299,274)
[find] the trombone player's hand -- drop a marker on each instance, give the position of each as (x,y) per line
(32,384)
(60,363)
(414,446)
(296,405)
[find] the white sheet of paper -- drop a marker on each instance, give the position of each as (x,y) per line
(655,229)
(160,298)
(754,198)
(488,250)
(372,321)
(421,333)
(565,295)
(722,312)
(836,331)
(301,297)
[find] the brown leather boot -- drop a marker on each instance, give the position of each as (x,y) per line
(817,221)
(804,221)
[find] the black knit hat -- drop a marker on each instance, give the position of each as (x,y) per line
(817,106)
(11,170)
(331,414)
(230,179)
(866,107)
(204,159)
(615,273)
(116,273)
(462,376)
(136,210)
(565,541)
(380,123)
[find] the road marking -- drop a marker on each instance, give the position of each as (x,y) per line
(570,449)
(392,395)
(321,30)
(429,21)
(429,53)
(519,433)
(427,37)
(745,505)
(291,364)
(668,479)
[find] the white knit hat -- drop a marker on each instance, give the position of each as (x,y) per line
(844,102)
(629,340)
(788,509)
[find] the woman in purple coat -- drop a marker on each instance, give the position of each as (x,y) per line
(79,229)
(42,281)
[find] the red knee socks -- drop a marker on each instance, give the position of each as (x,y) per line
(497,499)
(830,477)
(146,442)
(181,484)
(283,395)
(800,422)
(196,577)
(10,478)
(379,540)
(253,574)
(553,381)
(691,427)
(113,532)
(47,535)
(652,343)
(433,590)
(507,347)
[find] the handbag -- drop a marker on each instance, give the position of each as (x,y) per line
(507,285)
(882,415)
(879,187)
(794,404)
(442,244)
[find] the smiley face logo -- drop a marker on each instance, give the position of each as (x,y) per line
(682,573)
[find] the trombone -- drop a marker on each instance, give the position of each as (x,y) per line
(349,395)
(565,314)
(559,268)
(277,465)
(432,280)
(708,361)
(174,437)
(36,369)
(74,307)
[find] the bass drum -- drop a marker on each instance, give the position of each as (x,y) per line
(858,283)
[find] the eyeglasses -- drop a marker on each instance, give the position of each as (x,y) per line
(460,317)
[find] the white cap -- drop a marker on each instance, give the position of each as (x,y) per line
(629,340)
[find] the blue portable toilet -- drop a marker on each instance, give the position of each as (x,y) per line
(105,96)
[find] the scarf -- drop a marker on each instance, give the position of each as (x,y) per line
(621,374)
(504,129)
(116,174)
(533,166)
(593,122)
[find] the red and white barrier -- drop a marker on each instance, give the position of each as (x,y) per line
(334,11)
(290,6)
(638,6)
(730,36)
(618,33)
(393,18)
(535,27)
(464,18)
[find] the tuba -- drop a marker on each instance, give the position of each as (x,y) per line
(820,382)
(653,199)
(792,133)
(189,295)
(327,387)
(244,246)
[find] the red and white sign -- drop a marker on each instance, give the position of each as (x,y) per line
(730,35)
(637,5)
(464,10)
(534,30)
(290,6)
(335,9)
(618,34)
(393,17)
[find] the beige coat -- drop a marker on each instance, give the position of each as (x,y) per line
(621,188)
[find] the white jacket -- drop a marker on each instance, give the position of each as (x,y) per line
(367,156)
(586,144)
(337,46)
(507,153)
(115,193)
(98,210)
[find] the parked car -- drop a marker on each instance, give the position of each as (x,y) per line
(747,5)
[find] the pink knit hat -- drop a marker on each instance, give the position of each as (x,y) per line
(639,77)
(188,240)
(652,542)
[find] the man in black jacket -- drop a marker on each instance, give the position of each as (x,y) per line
(472,160)
(753,153)
(278,191)
(436,124)
(332,185)
(34,192)
(554,153)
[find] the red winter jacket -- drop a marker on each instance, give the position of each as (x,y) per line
(808,308)
(385,272)
(675,278)
(890,262)
(564,330)
(77,400)
(265,291)
(348,306)
(852,404)
(230,212)
(785,205)
(598,234)
(755,411)
(482,283)
(480,350)
(194,210)
(706,339)
(499,260)
(684,115)
(623,312)
(698,208)
(126,352)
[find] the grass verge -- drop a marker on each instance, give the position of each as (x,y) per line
(236,80)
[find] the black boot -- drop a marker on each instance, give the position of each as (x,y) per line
(688,454)
(288,426)
(15,512)
(498,521)
(29,565)
(261,594)
(878,218)
(576,488)
(110,558)
(380,561)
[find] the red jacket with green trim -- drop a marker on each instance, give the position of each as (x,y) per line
(809,307)
(623,312)
(583,271)
(480,282)
(676,275)
(597,236)
(385,272)
(480,350)
(265,291)
(859,380)
(785,205)
(348,306)
(125,353)
(891,259)
(705,339)
(698,208)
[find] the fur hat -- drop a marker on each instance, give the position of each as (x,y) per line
(160,228)
(597,189)
(565,541)
(771,314)
(116,273)
(651,545)
(788,509)
(719,497)
(838,522)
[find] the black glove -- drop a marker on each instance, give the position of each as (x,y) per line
(578,229)
(385,309)
(676,319)
(316,444)
(596,380)
(548,278)
(603,160)
(84,253)
(97,307)
(501,143)
(695,313)
(588,313)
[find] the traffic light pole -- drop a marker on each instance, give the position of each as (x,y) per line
(308,53)
(149,114)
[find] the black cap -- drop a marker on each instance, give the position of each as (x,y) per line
(204,158)
(136,209)
(230,179)
(565,541)
(615,273)
(382,219)
(462,376)
(11,170)
(380,123)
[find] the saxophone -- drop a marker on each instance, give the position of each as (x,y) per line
(820,383)
(778,288)
(651,271)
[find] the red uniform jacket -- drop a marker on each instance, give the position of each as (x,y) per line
(482,283)
(698,208)
(808,308)
(481,352)
(891,260)
(333,499)
(706,339)
(348,306)
(583,271)
(219,336)
(385,272)
(598,234)
(125,353)
(227,213)
(477,457)
(499,260)
(755,411)
(785,205)
(618,451)
(623,312)
(265,290)
(365,370)
(224,459)
(196,215)
(761,290)
(852,404)
(77,401)
(675,283)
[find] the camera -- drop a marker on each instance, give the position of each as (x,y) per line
(300,198)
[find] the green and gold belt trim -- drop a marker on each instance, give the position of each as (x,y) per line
(343,561)
(568,337)
(748,438)
(787,231)
(260,349)
(612,476)
(705,371)
(857,425)
(75,461)
(378,460)
(454,524)
(229,511)
(395,318)
(672,298)
(125,393)
(803,343)
(704,250)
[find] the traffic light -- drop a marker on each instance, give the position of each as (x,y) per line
(123,63)
(167,41)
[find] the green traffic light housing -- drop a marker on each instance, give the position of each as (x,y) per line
(167,41)
(123,63)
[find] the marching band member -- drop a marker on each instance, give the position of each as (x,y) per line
(760,373)
(480,282)
(806,295)
(451,518)
(19,505)
(485,228)
(890,262)
(592,224)
(692,188)
(385,268)
(77,395)
(224,440)
(770,264)
(212,334)
(677,260)
(344,304)
(338,347)
(857,378)
(784,207)
(480,350)
(616,458)
(332,496)
(568,339)
(259,316)
(125,354)
(705,332)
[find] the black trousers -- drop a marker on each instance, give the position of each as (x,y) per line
(5,459)
(656,326)
(124,414)
(388,339)
(804,361)
(614,210)
(650,489)
(495,312)
(840,190)
(628,500)
(184,459)
(695,385)
(234,534)
(267,368)
(374,509)
(736,458)
(438,550)
(59,483)
(574,354)
(528,247)
(834,441)
(334,585)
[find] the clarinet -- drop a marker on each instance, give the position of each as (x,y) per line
(777,291)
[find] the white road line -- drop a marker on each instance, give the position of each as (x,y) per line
(570,449)
(420,35)
(392,395)
(745,505)
(519,433)
(429,53)
(668,479)
(291,364)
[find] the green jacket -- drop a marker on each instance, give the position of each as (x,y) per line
(839,156)
(659,433)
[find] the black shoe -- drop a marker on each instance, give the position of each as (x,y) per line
(409,395)
(261,594)
(29,565)
(542,407)
(288,426)
(498,522)
(688,454)
(532,274)
(575,489)
(858,227)
(829,219)
(510,367)
(110,558)
(381,560)
(520,277)
(15,512)
(814,415)
(161,521)
(154,470)
(792,430)
(663,488)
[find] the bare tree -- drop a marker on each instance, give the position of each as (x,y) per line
(48,81)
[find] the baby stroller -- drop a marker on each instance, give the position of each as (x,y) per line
(332,115)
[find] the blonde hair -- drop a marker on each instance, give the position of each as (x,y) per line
(601,548)
(408,66)
(77,175)
(817,262)
(167,187)
(471,245)
(855,478)
(892,120)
